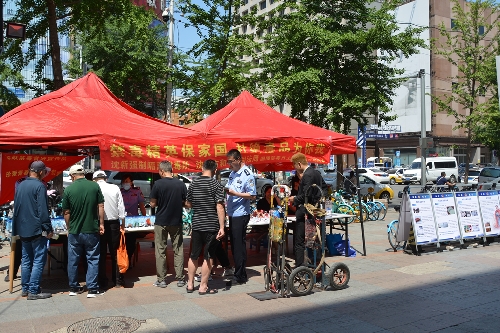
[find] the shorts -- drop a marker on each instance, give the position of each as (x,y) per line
(200,239)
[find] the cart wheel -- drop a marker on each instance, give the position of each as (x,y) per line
(267,278)
(186,229)
(339,276)
(301,281)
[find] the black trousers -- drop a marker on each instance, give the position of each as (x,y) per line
(221,255)
(238,226)
(299,236)
(110,240)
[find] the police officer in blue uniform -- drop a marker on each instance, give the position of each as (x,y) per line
(240,191)
(134,201)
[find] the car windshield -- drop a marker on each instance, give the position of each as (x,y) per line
(376,170)
(474,172)
(391,171)
(416,165)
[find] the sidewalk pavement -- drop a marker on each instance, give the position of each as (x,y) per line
(451,291)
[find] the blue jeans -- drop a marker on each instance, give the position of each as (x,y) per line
(32,263)
(78,245)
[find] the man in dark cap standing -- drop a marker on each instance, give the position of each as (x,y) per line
(31,221)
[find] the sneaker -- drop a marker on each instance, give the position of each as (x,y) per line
(93,293)
(181,283)
(75,291)
(33,297)
(236,281)
(228,272)
(161,284)
(24,293)
(197,278)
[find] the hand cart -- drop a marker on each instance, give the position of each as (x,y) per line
(303,278)
(276,271)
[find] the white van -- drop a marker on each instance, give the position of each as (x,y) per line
(435,165)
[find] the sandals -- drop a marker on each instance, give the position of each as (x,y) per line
(189,291)
(208,292)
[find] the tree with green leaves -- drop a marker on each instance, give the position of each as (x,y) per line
(52,18)
(8,99)
(214,71)
(130,56)
(321,59)
(470,46)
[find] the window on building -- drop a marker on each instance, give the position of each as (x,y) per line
(263,5)
(452,24)
(181,122)
(244,29)
(245,2)
(481,30)
(253,9)
(454,87)
(269,29)
(245,12)
(260,33)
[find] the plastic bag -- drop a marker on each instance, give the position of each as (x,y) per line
(340,247)
(331,239)
(121,254)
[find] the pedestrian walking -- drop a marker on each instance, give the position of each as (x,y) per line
(83,210)
(169,196)
(31,221)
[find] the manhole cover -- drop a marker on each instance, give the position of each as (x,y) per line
(106,324)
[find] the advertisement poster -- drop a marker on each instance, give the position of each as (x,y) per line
(446,216)
(490,212)
(423,218)
(468,214)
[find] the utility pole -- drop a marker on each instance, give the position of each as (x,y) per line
(170,14)
(423,135)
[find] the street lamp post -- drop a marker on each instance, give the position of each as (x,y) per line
(423,135)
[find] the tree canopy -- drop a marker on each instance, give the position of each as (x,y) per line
(320,57)
(213,71)
(130,55)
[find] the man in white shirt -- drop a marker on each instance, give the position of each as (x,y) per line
(114,212)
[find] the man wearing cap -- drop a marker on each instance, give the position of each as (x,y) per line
(114,212)
(31,221)
(83,209)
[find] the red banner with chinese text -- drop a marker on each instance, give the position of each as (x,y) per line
(15,166)
(189,157)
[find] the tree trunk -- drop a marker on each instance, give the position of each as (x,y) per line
(55,49)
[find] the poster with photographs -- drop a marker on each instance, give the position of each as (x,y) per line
(423,218)
(490,212)
(468,214)
(446,216)
(59,225)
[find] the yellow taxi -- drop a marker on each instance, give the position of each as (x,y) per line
(396,175)
(368,185)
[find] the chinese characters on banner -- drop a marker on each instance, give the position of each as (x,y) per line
(190,157)
(15,166)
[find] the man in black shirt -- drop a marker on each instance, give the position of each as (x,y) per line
(206,197)
(310,176)
(169,195)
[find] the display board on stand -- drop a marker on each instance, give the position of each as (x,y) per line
(445,214)
(424,226)
(468,214)
(490,211)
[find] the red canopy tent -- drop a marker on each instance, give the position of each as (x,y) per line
(85,115)
(267,139)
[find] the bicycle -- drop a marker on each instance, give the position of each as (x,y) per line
(392,230)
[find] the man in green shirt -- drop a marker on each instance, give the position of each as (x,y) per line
(83,209)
